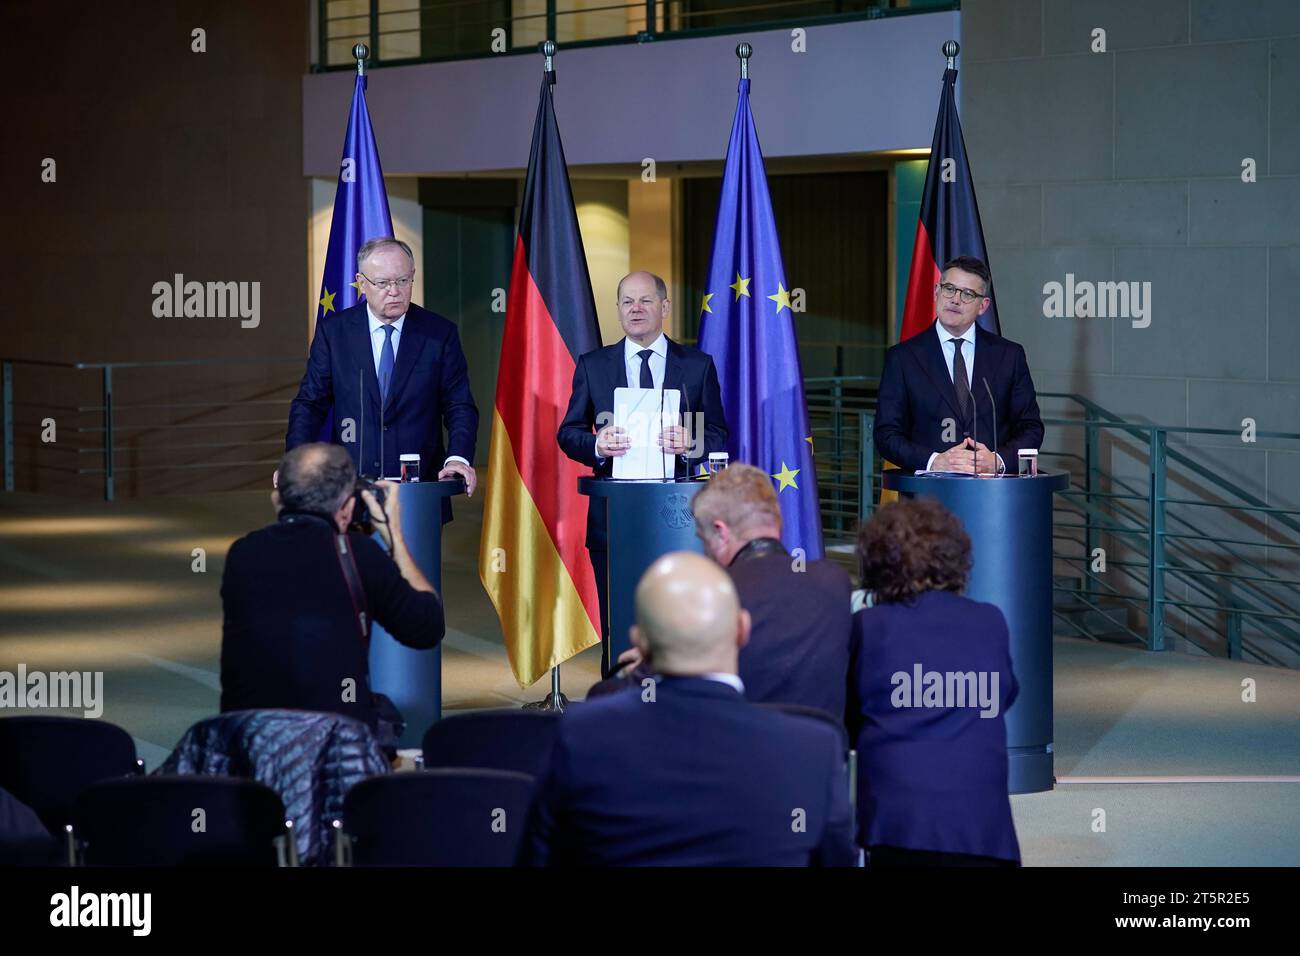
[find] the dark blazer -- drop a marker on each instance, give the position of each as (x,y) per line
(798,651)
(931,778)
(601,371)
(698,776)
(916,395)
(289,633)
(429,390)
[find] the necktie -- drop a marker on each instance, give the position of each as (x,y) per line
(647,380)
(960,380)
(386,360)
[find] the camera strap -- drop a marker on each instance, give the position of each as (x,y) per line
(348,565)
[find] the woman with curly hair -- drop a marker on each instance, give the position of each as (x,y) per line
(929,682)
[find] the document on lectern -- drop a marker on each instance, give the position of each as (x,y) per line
(643,413)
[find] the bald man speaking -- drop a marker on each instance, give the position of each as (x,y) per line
(686,772)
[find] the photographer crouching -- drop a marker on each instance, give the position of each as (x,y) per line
(298,596)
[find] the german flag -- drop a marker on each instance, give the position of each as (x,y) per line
(533,560)
(949,225)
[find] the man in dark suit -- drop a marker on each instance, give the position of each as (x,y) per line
(413,368)
(934,412)
(645,358)
(293,632)
(687,772)
(798,650)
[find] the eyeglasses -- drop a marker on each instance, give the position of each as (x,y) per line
(383,285)
(949,290)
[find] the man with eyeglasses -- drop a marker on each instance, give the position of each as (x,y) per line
(934,402)
(387,353)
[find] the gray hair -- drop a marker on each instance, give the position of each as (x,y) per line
(371,246)
(661,287)
(316,477)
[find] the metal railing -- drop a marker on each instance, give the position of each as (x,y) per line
(410,31)
(1185,564)
(1200,563)
(108,431)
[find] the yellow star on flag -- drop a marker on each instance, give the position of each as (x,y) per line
(704,306)
(327,303)
(741,286)
(356,284)
(782,298)
(786,477)
(810,443)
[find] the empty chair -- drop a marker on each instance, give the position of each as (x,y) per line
(445,817)
(46,761)
(181,821)
(519,740)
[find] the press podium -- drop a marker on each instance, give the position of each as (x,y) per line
(413,678)
(646,520)
(1009,521)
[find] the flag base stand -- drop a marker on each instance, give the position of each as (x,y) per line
(554,700)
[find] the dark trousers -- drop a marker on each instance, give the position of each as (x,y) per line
(894,856)
(600,567)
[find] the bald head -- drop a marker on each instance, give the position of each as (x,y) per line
(688,616)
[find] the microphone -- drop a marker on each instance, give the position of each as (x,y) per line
(687,399)
(993,408)
(663,468)
(382,462)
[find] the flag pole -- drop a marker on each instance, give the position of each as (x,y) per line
(744,51)
(361,52)
(555,700)
(950,49)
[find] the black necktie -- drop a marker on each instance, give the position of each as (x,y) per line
(647,380)
(960,380)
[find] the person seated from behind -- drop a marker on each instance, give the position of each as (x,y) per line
(930,683)
(798,650)
(294,634)
(687,772)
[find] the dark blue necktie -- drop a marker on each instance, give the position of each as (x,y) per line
(386,360)
(647,380)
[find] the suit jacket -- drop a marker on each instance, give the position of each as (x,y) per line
(932,778)
(916,395)
(429,390)
(798,650)
(601,371)
(289,634)
(696,777)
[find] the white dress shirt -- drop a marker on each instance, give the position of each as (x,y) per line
(949,356)
(377,348)
(658,361)
(731,680)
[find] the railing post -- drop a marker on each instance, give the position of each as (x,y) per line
(866,463)
(1156,546)
(8,415)
(108,433)
(374,29)
(1091,485)
(1234,635)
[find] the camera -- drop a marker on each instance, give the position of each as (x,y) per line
(362,519)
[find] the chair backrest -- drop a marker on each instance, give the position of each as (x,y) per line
(179,821)
(452,816)
(813,713)
(519,740)
(46,761)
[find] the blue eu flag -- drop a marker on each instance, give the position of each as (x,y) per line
(360,209)
(747,325)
